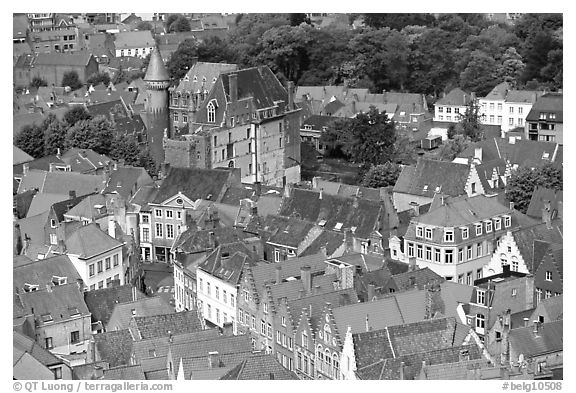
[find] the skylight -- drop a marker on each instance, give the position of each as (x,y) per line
(322,223)
(338,226)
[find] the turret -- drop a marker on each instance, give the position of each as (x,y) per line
(157,83)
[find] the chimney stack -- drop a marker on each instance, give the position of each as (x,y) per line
(371,292)
(526,321)
(233,78)
(278,274)
(72,194)
(511,205)
(58,153)
(416,208)
(52,167)
(306,277)
(112,228)
(367,323)
(320,194)
(258,188)
(411,264)
(228,329)
(547,214)
(25,168)
(290,95)
(401,371)
(536,325)
(213,360)
(478,154)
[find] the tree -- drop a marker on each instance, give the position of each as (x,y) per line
(520,187)
(298,19)
(179,25)
(96,79)
(146,161)
(367,139)
(54,135)
(215,50)
(76,114)
(144,25)
(512,67)
(96,134)
(31,140)
(450,150)
(383,175)
(182,59)
(71,79)
(398,21)
(38,82)
(126,148)
(451,132)
(471,124)
(480,74)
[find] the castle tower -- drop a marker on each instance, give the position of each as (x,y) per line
(157,83)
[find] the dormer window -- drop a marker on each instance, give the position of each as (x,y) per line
(419,231)
(507,221)
(30,287)
(449,235)
(480,296)
(211,110)
(52,223)
(56,280)
(488,226)
(428,232)
(464,233)
(425,188)
(478,229)
(497,224)
(46,318)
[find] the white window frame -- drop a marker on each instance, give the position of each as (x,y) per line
(548,275)
(428,233)
(169,214)
(169,231)
(465,233)
(480,296)
(449,235)
(449,252)
(507,221)
(478,228)
(488,226)
(159,230)
(419,231)
(497,224)
(211,112)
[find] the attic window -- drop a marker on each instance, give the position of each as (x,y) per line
(425,188)
(353,229)
(322,223)
(291,253)
(437,189)
(338,226)
(46,318)
(30,287)
(56,280)
(545,155)
(73,311)
(195,79)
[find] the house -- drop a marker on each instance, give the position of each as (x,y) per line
(453,105)
(32,361)
(101,46)
(19,156)
(133,43)
(312,129)
(162,325)
(122,313)
(259,366)
(544,121)
(101,302)
(60,182)
(507,107)
(249,121)
(31,276)
(417,185)
(187,98)
(60,318)
(97,256)
(52,66)
(543,197)
(335,188)
(399,351)
(457,236)
(181,191)
(218,276)
(549,275)
(65,40)
(117,111)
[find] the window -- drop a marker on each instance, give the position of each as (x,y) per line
(269,328)
(469,278)
(497,224)
(461,279)
(211,109)
(276,255)
(448,110)
(145,234)
(520,110)
(253,322)
(101,284)
(468,252)
(262,328)
(217,292)
(410,249)
(548,276)
(224,297)
(478,250)
(158,213)
(538,295)
(478,274)
(491,118)
(265,308)
(507,221)
(514,291)
(511,109)
(488,226)
(74,337)
(419,232)
(480,321)
(428,253)
(217,316)
(428,233)
(491,106)
(278,337)
(499,107)
(473,188)
(419,251)
(441,109)
(57,372)
(48,343)
(465,233)
(209,311)
(460,255)
(53,239)
(499,119)
(99,264)
(548,294)
(436,255)
(449,235)
(448,256)
(52,223)
(169,214)
(232,301)
(169,231)
(145,219)
(480,296)
(159,230)
(478,229)
(510,121)
(176,116)
(514,264)
(304,340)
(520,121)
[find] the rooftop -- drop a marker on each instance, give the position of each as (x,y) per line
(89,241)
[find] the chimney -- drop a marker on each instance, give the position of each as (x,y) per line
(401,371)
(536,325)
(228,329)
(505,359)
(213,360)
(506,270)
(478,153)
(547,214)
(62,245)
(301,293)
(112,228)
(72,194)
(526,321)
(271,375)
(258,188)
(320,194)
(411,264)
(58,153)
(288,190)
(353,107)
(512,140)
(52,167)
(416,208)
(290,95)
(355,203)
(25,168)
(278,274)
(412,281)
(371,292)
(233,81)
(367,323)
(170,338)
(306,277)
(316,289)
(115,166)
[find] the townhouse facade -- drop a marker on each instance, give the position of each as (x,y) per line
(544,122)
(452,107)
(134,44)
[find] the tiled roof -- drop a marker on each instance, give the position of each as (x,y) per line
(101,302)
(43,202)
(161,325)
(549,339)
(156,70)
(540,195)
(147,306)
(554,253)
(527,238)
(90,240)
(124,179)
(486,172)
(498,92)
(129,373)
(24,344)
(84,160)
(321,284)
(328,240)
(33,228)
(144,195)
(369,263)
(431,176)
(194,183)
(61,302)
(67,59)
(114,346)
(552,306)
(61,182)
(134,39)
(454,371)
(19,156)
(421,278)
(202,76)
(86,208)
(314,206)
(42,272)
(548,103)
(227,261)
(193,240)
(286,231)
(318,121)
(157,347)
(456,97)
(523,96)
(264,273)
(260,366)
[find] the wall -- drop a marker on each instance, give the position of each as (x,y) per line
(402,201)
(227,312)
(82,266)
(60,333)
(506,243)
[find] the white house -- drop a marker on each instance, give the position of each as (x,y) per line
(134,43)
(452,106)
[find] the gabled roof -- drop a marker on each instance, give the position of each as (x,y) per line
(260,366)
(539,196)
(157,347)
(89,241)
(523,96)
(285,231)
(456,97)
(194,240)
(62,207)
(320,283)
(553,307)
(548,103)
(156,71)
(61,182)
(101,302)
(143,327)
(42,272)
(63,59)
(498,92)
(420,278)
(370,263)
(129,373)
(146,306)
(227,261)
(549,339)
(487,170)
(555,255)
(124,179)
(194,183)
(19,156)
(86,208)
(23,344)
(202,77)
(532,242)
(432,176)
(43,202)
(134,39)
(264,273)
(114,346)
(328,241)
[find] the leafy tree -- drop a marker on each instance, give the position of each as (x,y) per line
(171,19)
(450,150)
(126,147)
(367,139)
(520,187)
(76,114)
(146,161)
(215,50)
(71,79)
(54,135)
(536,57)
(298,19)
(144,25)
(471,124)
(31,140)
(512,67)
(38,82)
(398,21)
(382,175)
(96,134)
(182,59)
(179,25)
(96,79)
(480,75)
(451,132)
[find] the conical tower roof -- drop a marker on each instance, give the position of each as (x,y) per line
(156,70)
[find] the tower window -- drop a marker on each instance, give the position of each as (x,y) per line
(211,109)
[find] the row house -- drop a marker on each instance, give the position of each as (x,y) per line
(164,216)
(457,236)
(544,122)
(134,43)
(453,105)
(187,98)
(507,107)
(32,361)
(252,123)
(312,129)
(57,41)
(218,276)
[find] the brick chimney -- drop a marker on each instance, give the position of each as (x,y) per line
(25,168)
(228,329)
(505,345)
(306,277)
(233,80)
(72,194)
(213,359)
(371,292)
(415,208)
(278,274)
(536,328)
